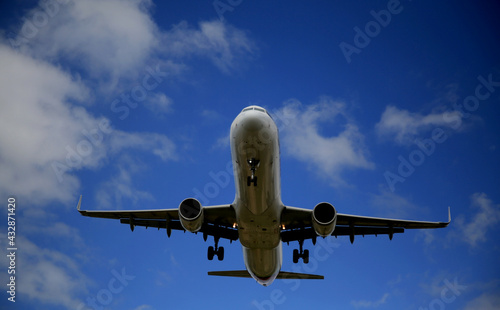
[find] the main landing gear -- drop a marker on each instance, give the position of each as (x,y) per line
(212,251)
(304,254)
(254,164)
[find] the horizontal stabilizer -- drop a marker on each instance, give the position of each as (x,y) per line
(281,275)
(295,275)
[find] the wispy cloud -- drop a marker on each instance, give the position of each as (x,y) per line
(49,276)
(159,103)
(158,144)
(370,304)
(404,126)
(144,307)
(474,230)
(486,301)
(327,154)
(120,188)
(393,205)
(223,44)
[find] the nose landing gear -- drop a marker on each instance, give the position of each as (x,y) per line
(254,164)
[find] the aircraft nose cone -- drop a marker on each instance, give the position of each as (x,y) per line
(253,124)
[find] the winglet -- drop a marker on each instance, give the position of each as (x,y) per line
(79,203)
(449,214)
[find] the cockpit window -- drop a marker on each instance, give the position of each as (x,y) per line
(254,108)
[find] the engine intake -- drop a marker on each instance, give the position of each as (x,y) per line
(191,214)
(324,218)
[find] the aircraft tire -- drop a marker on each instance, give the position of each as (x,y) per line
(305,258)
(220,253)
(211,253)
(295,256)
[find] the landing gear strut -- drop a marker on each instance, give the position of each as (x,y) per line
(212,251)
(304,254)
(254,164)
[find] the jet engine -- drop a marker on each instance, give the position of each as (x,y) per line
(191,214)
(324,218)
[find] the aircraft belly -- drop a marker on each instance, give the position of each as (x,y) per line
(258,206)
(263,263)
(259,231)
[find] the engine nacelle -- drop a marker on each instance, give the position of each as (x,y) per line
(324,218)
(191,214)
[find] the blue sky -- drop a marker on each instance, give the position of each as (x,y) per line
(385,108)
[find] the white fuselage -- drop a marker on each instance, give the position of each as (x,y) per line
(258,206)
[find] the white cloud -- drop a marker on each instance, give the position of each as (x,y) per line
(144,307)
(486,301)
(370,304)
(159,145)
(48,85)
(112,41)
(111,38)
(120,187)
(159,104)
(48,276)
(223,44)
(474,229)
(36,123)
(393,205)
(404,126)
(42,130)
(330,154)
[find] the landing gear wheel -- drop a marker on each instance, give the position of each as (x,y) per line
(252,179)
(254,164)
(304,254)
(211,253)
(220,253)
(305,257)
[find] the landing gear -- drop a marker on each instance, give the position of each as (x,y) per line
(304,254)
(212,251)
(252,179)
(254,164)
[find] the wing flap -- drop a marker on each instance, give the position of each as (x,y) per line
(309,233)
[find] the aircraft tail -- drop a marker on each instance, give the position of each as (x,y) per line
(281,275)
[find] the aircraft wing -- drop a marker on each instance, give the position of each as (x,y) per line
(219,220)
(298,225)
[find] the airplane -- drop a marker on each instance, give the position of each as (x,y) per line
(257,217)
